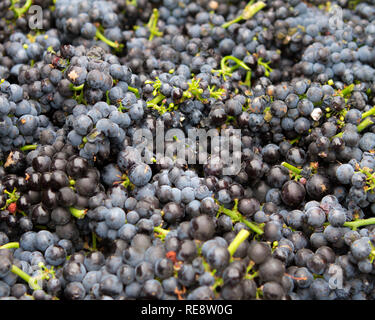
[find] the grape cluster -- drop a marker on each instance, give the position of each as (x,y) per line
(84,20)
(89,212)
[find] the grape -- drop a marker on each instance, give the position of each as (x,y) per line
(94,207)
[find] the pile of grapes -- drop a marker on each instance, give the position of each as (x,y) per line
(89,211)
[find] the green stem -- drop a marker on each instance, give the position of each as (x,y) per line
(247,81)
(154,104)
(156,100)
(252,226)
(236,216)
(107,96)
(218,283)
(291,168)
(29,147)
(252,8)
(10,245)
(161,231)
(20,11)
(229,23)
(259,294)
(79,214)
(294,140)
(240,237)
(347,90)
(135,91)
(121,107)
(267,68)
(236,60)
(194,90)
(370,178)
(152,25)
(80,99)
(101,37)
(362,126)
(252,276)
(226,70)
(206,266)
(250,266)
(216,94)
(248,12)
(50,50)
(12,197)
(125,182)
(77,88)
(23,275)
(366,114)
(359,223)
(94,241)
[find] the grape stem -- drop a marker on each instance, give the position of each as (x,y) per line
(366,114)
(247,81)
(354,225)
(218,282)
(362,126)
(265,65)
(121,108)
(29,147)
(79,98)
(236,242)
(77,88)
(12,197)
(94,238)
(112,44)
(10,245)
(194,90)
(295,173)
(47,273)
(154,104)
(79,214)
(23,275)
(248,12)
(152,25)
(216,94)
(294,140)
(20,11)
(126,182)
(135,91)
(347,90)
(239,63)
(237,217)
(252,276)
(226,70)
(160,232)
(370,178)
(291,168)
